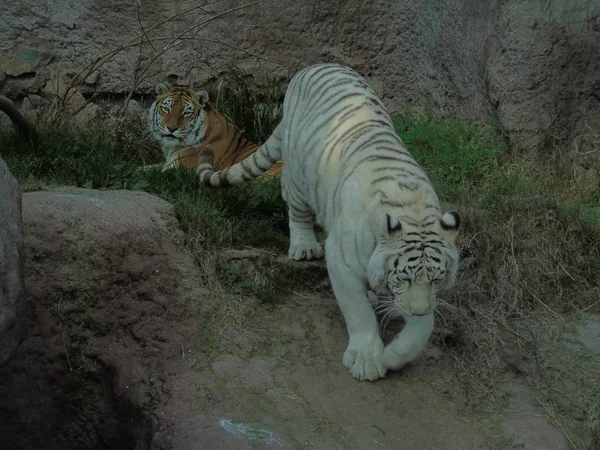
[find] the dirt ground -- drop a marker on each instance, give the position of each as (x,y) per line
(126,349)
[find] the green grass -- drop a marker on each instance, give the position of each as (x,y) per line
(534,263)
(98,156)
(456,154)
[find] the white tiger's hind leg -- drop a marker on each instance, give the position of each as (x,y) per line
(410,342)
(364,354)
(303,241)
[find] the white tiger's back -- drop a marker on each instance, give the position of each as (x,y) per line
(336,129)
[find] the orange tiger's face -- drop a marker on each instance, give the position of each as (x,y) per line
(177,112)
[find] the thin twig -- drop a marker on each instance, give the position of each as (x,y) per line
(544,305)
(144,34)
(589,306)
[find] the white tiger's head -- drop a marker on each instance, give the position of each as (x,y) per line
(410,263)
(178,116)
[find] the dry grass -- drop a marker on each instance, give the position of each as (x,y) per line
(528,277)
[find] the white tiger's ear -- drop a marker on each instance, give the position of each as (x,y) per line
(450,224)
(202,97)
(161,88)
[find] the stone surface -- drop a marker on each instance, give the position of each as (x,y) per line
(59,80)
(16,67)
(135,109)
(92,78)
(88,114)
(589,333)
(75,101)
(33,101)
(526,427)
(26,61)
(105,324)
(12,260)
(18,87)
(535,65)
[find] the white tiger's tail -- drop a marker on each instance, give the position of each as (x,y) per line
(248,169)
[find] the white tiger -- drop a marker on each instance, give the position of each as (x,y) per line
(344,164)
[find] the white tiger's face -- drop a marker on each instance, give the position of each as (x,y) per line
(176,117)
(409,267)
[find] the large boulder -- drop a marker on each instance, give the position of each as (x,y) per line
(105,320)
(12,260)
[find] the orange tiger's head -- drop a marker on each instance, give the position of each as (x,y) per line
(178,115)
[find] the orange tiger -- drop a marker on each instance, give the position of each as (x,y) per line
(184,123)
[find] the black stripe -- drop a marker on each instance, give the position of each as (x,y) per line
(380,179)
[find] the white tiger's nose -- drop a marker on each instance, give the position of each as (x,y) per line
(419,311)
(419,299)
(172,129)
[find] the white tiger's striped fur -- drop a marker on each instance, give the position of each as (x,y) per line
(345,164)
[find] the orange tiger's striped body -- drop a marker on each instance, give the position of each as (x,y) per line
(184,124)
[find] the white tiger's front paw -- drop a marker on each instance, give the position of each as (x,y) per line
(312,250)
(364,358)
(410,342)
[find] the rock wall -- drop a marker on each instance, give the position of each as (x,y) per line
(533,65)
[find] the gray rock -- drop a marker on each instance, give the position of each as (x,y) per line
(75,101)
(88,114)
(526,426)
(33,101)
(135,109)
(92,78)
(12,260)
(27,60)
(17,87)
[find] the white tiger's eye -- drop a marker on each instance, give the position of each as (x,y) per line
(164,108)
(188,113)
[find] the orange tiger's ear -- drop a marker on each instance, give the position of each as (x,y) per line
(202,97)
(161,88)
